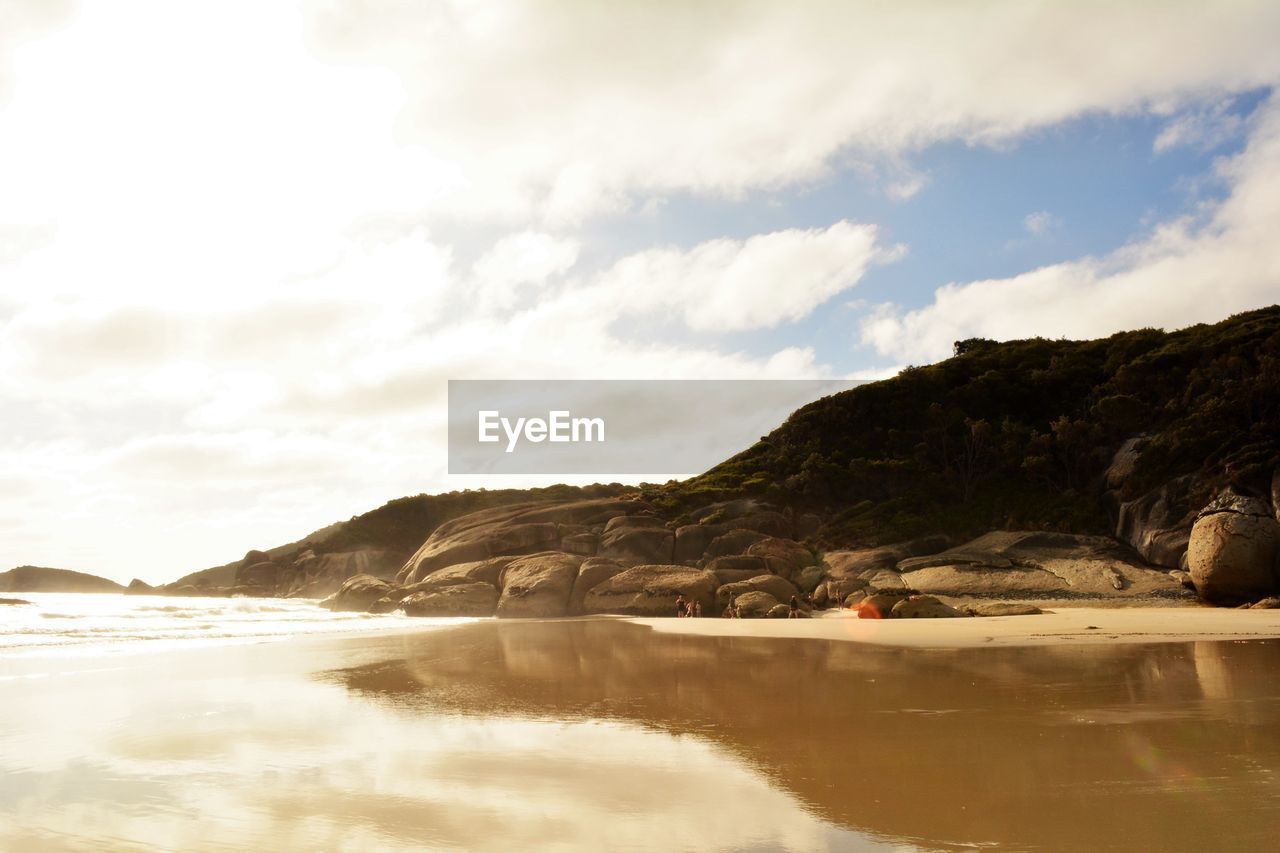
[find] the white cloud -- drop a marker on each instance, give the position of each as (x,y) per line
(732,285)
(1040,223)
(1184,272)
(1204,128)
(554,111)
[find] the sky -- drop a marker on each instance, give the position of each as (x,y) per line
(244,245)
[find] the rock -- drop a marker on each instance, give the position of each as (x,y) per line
(1005,608)
(637,541)
(1271,602)
(955,557)
(583,544)
(651,590)
(733,542)
(738,563)
(538,586)
(880,605)
(139,587)
(754,604)
(785,557)
(1233,550)
(780,588)
(512,530)
(479,571)
(809,578)
(593,572)
(262,574)
(386,604)
(779,611)
(1125,462)
(466,599)
(857,563)
(923,607)
(357,594)
(13,601)
(1158,524)
(1183,578)
(1037,563)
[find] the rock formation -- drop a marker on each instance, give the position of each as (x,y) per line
(1234,549)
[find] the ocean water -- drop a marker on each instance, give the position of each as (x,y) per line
(79,624)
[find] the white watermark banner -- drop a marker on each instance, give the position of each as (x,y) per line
(625,426)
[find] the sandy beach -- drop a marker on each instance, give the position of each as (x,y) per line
(1057,625)
(603,732)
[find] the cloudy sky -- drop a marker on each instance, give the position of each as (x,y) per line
(243,245)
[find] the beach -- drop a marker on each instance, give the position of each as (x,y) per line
(595,733)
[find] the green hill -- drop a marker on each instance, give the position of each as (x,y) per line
(1017,435)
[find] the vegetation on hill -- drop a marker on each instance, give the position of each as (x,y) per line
(1018,434)
(41,579)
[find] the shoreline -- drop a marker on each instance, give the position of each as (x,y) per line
(1059,625)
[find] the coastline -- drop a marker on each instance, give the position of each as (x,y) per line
(1058,625)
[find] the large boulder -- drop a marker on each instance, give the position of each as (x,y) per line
(862,562)
(880,605)
(733,542)
(1233,552)
(479,571)
(593,572)
(755,604)
(923,607)
(358,594)
(1037,563)
(651,590)
(785,557)
(1158,524)
(513,530)
(780,588)
(636,541)
(464,599)
(538,585)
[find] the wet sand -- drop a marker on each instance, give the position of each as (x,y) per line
(1057,625)
(603,734)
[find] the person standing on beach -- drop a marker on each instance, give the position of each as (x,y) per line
(680,606)
(697,608)
(795,608)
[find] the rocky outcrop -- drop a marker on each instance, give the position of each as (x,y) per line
(13,601)
(514,530)
(139,587)
(464,599)
(593,572)
(636,540)
(1004,608)
(780,588)
(755,604)
(358,594)
(1156,524)
(40,579)
(538,585)
(923,607)
(1036,564)
(651,590)
(1234,549)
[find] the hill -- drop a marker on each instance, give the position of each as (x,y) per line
(1021,435)
(39,579)
(1082,465)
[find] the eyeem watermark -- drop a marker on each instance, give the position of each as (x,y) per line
(559,426)
(656,428)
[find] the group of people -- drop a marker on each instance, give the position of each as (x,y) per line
(688,609)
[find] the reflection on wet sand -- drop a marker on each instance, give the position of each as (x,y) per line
(1169,746)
